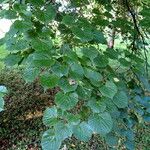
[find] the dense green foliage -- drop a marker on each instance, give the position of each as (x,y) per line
(102,88)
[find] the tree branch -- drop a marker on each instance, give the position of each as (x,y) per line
(138,31)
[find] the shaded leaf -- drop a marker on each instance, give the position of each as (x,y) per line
(63,131)
(101,123)
(93,76)
(97,106)
(101,61)
(109,89)
(60,70)
(77,70)
(66,101)
(50,116)
(49,80)
(49,141)
(66,86)
(30,74)
(82,132)
(90,52)
(121,99)
(111,140)
(1,104)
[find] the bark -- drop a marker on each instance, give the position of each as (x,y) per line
(111,40)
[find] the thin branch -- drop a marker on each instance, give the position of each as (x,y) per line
(139,33)
(133,17)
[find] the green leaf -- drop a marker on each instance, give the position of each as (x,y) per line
(110,106)
(121,99)
(50,141)
(111,53)
(22,26)
(49,80)
(101,123)
(144,81)
(69,53)
(90,52)
(84,34)
(3,89)
(82,132)
(97,106)
(10,14)
(50,116)
(146,118)
(1,104)
(46,15)
(66,101)
(101,61)
(37,3)
(129,145)
(63,130)
(111,140)
(66,86)
(39,14)
(129,134)
(60,70)
(12,59)
(50,13)
(109,89)
(99,37)
(83,92)
(30,74)
(41,45)
(93,76)
(124,62)
(68,20)
(42,59)
(18,45)
(77,70)
(73,119)
(84,112)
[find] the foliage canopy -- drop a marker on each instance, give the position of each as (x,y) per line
(65,44)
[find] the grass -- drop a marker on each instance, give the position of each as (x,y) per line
(21,125)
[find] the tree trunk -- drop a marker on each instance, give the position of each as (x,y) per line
(111,40)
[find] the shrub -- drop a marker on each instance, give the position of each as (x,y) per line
(67,48)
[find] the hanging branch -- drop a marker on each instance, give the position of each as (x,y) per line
(133,17)
(138,31)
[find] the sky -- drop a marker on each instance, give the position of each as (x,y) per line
(4,27)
